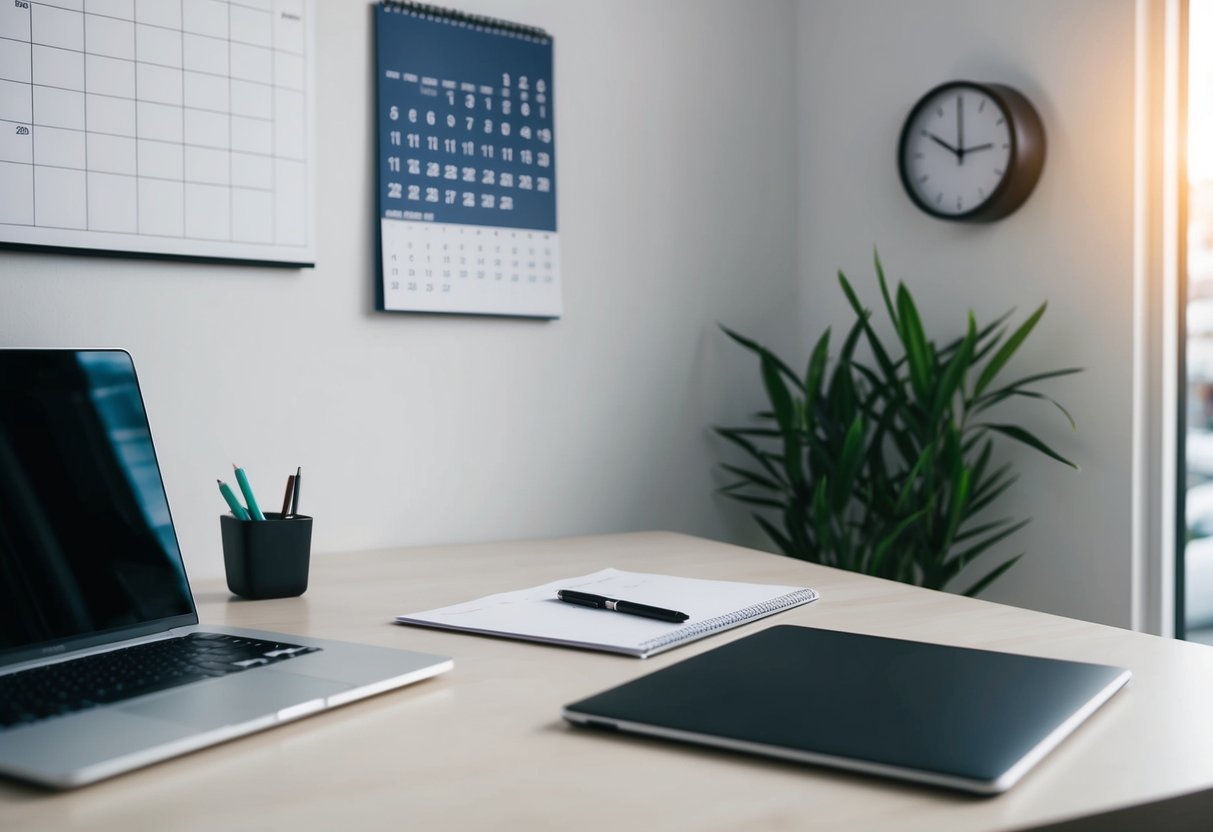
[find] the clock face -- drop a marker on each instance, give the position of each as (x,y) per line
(956,150)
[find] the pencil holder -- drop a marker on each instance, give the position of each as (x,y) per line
(266,558)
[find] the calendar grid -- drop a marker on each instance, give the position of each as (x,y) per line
(467,193)
(131,121)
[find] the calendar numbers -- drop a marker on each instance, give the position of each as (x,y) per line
(467,183)
(480,133)
(473,269)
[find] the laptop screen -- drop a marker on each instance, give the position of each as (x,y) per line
(87,547)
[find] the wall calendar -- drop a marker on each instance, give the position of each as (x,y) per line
(158,127)
(467,164)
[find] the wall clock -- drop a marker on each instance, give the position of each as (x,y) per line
(971,152)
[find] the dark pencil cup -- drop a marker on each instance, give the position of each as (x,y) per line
(267,558)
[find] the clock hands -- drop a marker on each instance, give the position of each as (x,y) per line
(945,145)
(960,130)
(958,150)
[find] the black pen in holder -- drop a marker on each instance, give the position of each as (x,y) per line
(267,558)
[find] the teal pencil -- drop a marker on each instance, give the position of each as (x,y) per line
(247,490)
(232,502)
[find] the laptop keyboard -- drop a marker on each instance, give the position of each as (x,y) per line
(102,678)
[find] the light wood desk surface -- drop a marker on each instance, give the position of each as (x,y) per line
(484,746)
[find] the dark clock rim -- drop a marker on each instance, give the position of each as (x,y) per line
(992,207)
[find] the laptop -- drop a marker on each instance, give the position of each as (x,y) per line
(965,719)
(103,665)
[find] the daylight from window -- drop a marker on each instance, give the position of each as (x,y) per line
(1198,553)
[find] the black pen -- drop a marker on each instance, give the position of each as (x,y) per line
(601,602)
(295,493)
(286,498)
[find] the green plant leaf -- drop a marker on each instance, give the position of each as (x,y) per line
(848,463)
(918,352)
(777,392)
(983,461)
(848,346)
(903,436)
(1032,379)
(821,517)
(781,540)
(763,433)
(877,384)
(977,531)
(1021,435)
(795,522)
(882,548)
(756,480)
(982,347)
(785,415)
(842,399)
(1007,350)
(925,459)
(994,575)
(1027,394)
(749,499)
(954,373)
(763,353)
(815,373)
(960,561)
(882,356)
(984,483)
(876,463)
(884,290)
(737,437)
(976,504)
(956,507)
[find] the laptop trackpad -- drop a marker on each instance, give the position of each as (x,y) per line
(236,699)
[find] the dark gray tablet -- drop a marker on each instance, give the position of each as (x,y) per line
(967,719)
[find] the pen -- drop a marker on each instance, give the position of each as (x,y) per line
(286,498)
(601,602)
(247,490)
(295,496)
(232,502)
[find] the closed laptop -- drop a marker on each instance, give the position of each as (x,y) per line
(974,720)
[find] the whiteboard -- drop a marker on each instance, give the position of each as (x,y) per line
(180,128)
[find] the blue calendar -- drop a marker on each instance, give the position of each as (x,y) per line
(467,164)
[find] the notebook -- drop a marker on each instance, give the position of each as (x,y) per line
(967,719)
(104,666)
(536,614)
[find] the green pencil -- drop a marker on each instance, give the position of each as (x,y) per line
(237,509)
(247,490)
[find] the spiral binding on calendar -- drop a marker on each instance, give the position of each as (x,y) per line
(430,12)
(723,622)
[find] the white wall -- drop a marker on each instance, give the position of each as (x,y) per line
(718,161)
(677,209)
(862,64)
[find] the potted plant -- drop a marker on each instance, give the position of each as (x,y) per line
(885,465)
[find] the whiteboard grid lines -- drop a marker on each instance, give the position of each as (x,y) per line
(175,130)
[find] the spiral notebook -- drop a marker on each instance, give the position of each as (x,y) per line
(536,614)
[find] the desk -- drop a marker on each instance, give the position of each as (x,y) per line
(484,747)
